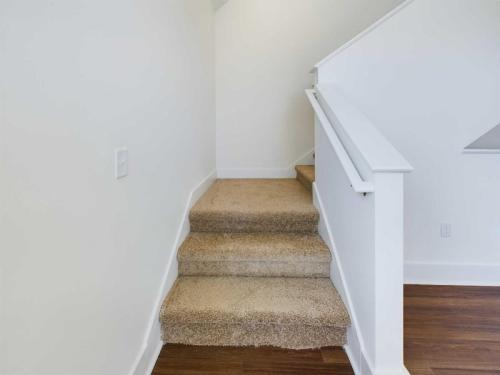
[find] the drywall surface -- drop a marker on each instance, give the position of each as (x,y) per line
(488,141)
(83,254)
(265,50)
(219,3)
(428,78)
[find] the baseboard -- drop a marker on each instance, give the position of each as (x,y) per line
(153,343)
(150,352)
(354,349)
(231,173)
(306,159)
(452,274)
(361,364)
(288,172)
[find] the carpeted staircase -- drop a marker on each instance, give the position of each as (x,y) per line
(306,175)
(254,271)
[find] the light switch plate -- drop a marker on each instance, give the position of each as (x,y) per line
(121,163)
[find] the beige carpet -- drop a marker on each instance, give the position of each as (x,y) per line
(306,175)
(255,206)
(254,254)
(254,271)
(294,313)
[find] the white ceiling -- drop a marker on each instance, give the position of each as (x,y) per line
(219,3)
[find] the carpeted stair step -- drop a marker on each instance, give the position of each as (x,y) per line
(271,205)
(254,254)
(295,313)
(305,175)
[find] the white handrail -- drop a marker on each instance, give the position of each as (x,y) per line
(357,131)
(357,183)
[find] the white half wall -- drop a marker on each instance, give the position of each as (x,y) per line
(83,255)
(363,228)
(428,78)
(265,50)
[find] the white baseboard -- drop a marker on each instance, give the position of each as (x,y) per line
(153,343)
(231,173)
(288,172)
(354,349)
(452,274)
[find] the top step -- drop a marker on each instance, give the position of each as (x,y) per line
(306,175)
(270,205)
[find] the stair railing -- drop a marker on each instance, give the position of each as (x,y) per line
(357,183)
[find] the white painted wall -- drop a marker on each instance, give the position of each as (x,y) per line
(83,254)
(219,3)
(264,52)
(488,141)
(428,78)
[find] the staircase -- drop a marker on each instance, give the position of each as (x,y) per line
(305,175)
(254,272)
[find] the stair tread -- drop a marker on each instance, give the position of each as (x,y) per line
(279,247)
(256,197)
(254,300)
(256,205)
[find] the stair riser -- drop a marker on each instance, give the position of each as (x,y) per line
(282,336)
(304,181)
(257,268)
(253,226)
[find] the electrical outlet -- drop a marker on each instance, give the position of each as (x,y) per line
(121,163)
(445,230)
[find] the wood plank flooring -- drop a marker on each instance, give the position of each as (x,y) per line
(192,360)
(449,330)
(452,330)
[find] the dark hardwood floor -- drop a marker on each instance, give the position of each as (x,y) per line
(448,331)
(190,360)
(452,330)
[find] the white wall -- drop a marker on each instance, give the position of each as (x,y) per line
(219,3)
(265,50)
(488,141)
(428,79)
(83,254)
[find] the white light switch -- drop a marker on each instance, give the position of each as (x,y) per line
(121,163)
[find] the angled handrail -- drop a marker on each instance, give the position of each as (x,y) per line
(357,183)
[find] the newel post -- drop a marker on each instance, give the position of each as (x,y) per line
(389,281)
